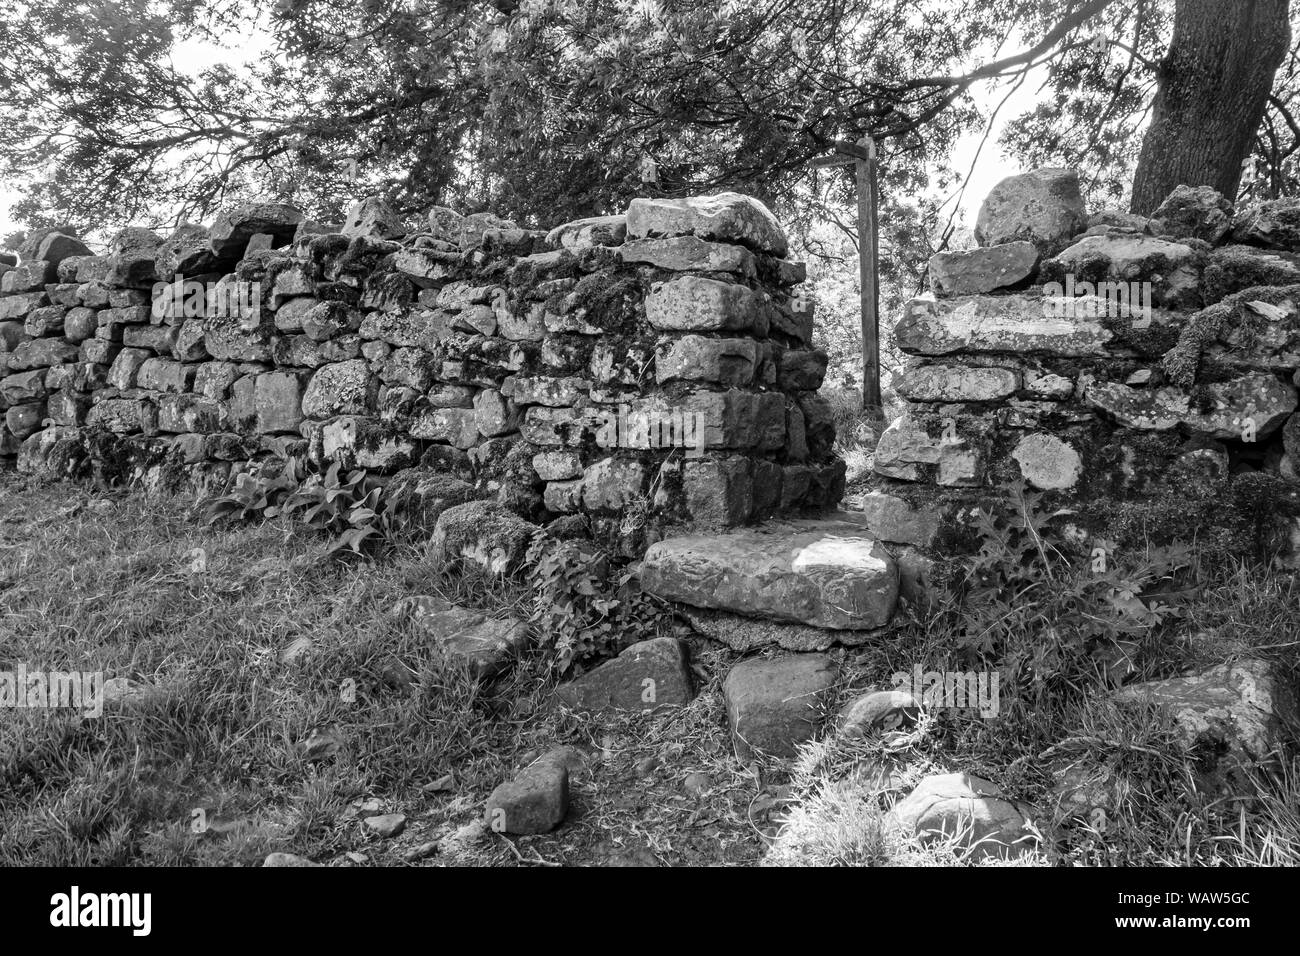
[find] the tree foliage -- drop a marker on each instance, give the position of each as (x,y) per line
(544,109)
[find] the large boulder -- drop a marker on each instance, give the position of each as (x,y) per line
(233,228)
(373,217)
(186,252)
(967,810)
(829,574)
(1274,225)
(132,253)
(774,705)
(52,246)
(1043,206)
(444,223)
(481,534)
(1193,212)
(1172,269)
(1235,268)
(724,217)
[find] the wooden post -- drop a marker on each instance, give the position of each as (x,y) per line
(863,155)
(868,275)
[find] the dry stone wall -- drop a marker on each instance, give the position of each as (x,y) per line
(1104,358)
(657,362)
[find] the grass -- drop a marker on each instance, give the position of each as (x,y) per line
(858,430)
(109,583)
(251,642)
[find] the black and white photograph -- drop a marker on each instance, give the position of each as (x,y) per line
(568,434)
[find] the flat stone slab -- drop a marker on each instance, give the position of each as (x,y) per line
(1258,400)
(647,675)
(743,634)
(724,217)
(1246,708)
(974,271)
(829,574)
(690,254)
(956,383)
(1018,324)
(234,227)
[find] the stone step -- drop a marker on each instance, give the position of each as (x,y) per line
(828,573)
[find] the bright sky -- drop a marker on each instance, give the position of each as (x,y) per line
(991,165)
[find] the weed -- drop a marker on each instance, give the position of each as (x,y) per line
(349,509)
(587,610)
(1044,605)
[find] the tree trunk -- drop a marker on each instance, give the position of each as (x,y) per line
(1214,86)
